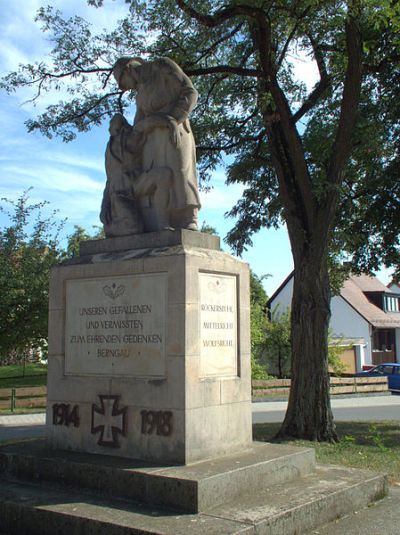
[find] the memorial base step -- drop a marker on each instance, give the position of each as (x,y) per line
(192,488)
(36,499)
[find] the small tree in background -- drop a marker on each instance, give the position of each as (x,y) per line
(80,234)
(258,314)
(275,346)
(29,247)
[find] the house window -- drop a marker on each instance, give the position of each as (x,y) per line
(391,303)
(383,340)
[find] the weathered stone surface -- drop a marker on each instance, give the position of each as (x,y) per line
(218,325)
(151,166)
(151,240)
(192,488)
(116,327)
(171,397)
(271,490)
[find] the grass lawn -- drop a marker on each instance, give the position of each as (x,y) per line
(12,376)
(370,445)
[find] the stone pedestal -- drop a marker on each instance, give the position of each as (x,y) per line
(149,350)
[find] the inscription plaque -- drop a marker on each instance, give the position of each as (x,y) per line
(218,325)
(116,326)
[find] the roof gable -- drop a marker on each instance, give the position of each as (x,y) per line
(353,292)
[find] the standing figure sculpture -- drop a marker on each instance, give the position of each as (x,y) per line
(119,209)
(165,96)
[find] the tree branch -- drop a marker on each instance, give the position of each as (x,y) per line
(320,88)
(213,46)
(226,69)
(221,15)
(350,100)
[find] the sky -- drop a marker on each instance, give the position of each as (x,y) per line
(71,176)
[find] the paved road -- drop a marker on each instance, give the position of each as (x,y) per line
(368,408)
(373,408)
(22,426)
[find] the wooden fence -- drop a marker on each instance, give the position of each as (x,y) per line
(14,398)
(339,385)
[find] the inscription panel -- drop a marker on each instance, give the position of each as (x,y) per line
(218,325)
(116,326)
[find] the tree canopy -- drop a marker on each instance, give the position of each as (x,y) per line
(323,160)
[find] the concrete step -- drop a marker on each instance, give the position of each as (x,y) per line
(191,488)
(33,510)
(381,518)
(303,504)
(289,508)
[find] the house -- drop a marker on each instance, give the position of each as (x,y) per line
(394,287)
(365,317)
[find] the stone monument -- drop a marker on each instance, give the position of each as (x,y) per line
(149,350)
(149,365)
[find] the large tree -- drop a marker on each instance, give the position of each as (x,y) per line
(301,155)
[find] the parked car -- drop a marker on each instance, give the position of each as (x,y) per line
(390,369)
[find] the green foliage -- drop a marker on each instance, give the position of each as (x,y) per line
(28,249)
(258,371)
(208,229)
(335,349)
(366,445)
(20,376)
(224,61)
(79,235)
(275,344)
(275,349)
(258,312)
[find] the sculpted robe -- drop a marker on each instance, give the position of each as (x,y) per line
(163,88)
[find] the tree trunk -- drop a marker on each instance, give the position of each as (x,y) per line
(309,413)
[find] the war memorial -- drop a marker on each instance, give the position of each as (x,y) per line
(149,425)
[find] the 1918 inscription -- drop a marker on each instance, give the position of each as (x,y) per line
(116,326)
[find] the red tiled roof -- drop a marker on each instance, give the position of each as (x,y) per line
(352,292)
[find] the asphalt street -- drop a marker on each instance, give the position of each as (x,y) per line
(350,409)
(367,408)
(15,426)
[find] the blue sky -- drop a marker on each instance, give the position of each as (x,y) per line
(71,176)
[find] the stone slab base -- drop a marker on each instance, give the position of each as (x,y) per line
(285,508)
(191,488)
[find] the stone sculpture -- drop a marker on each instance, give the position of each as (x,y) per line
(119,210)
(152,165)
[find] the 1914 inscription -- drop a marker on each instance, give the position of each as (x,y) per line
(116,326)
(218,324)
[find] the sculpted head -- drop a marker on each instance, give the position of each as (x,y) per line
(125,72)
(118,123)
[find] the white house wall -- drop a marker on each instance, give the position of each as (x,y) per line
(347,323)
(284,299)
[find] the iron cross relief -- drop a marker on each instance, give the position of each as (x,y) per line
(110,420)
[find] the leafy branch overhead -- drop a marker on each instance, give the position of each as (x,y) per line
(241,56)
